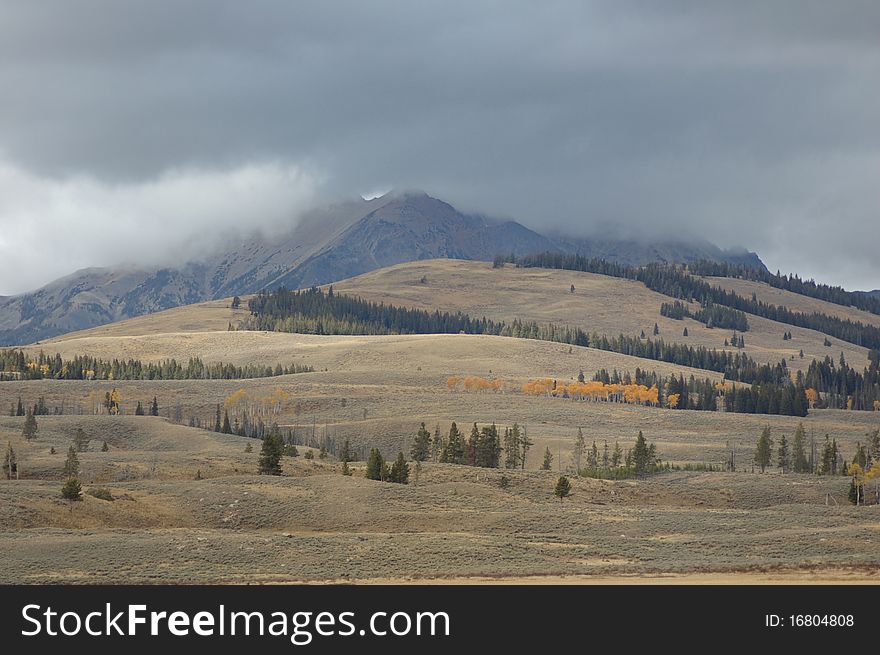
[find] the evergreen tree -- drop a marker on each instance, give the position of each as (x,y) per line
(548,460)
(400,470)
(270,453)
(579,447)
(139,410)
(436,444)
(227,428)
(375,465)
(20,409)
(782,455)
(454,448)
(854,492)
(826,459)
(799,462)
(764,449)
(512,439)
(71,465)
(643,456)
(616,456)
(30,429)
(10,465)
(563,488)
(154,407)
(488,447)
(345,468)
(656,329)
(685,333)
(72,490)
(873,445)
(861,456)
(421,447)
(346,454)
(218,426)
(471,449)
(81,440)
(525,443)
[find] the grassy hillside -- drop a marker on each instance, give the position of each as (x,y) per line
(600,303)
(190,507)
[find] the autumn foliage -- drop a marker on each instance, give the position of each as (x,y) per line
(635,394)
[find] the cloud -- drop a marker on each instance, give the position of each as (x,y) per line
(50,227)
(749,123)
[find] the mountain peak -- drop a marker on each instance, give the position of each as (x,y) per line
(327,245)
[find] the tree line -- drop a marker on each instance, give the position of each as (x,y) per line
(833,294)
(711,315)
(313,311)
(675,281)
(842,386)
(18,365)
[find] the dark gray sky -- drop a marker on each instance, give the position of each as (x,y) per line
(143,131)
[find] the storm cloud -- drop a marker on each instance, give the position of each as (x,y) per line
(746,123)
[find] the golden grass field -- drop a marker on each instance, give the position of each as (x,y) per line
(191,508)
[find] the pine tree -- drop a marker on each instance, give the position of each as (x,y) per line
(642,458)
(854,492)
(346,455)
(345,468)
(799,462)
(400,470)
(563,488)
(548,460)
(782,456)
(71,465)
(685,333)
(30,429)
(471,449)
(154,407)
(270,453)
(454,448)
(20,409)
(488,447)
(764,449)
(512,438)
(375,465)
(616,456)
(10,465)
(579,447)
(436,444)
(105,447)
(139,410)
(656,329)
(525,443)
(227,428)
(72,490)
(81,440)
(421,446)
(218,426)
(826,461)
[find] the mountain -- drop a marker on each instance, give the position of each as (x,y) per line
(326,245)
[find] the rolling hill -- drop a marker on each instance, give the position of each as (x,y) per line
(189,506)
